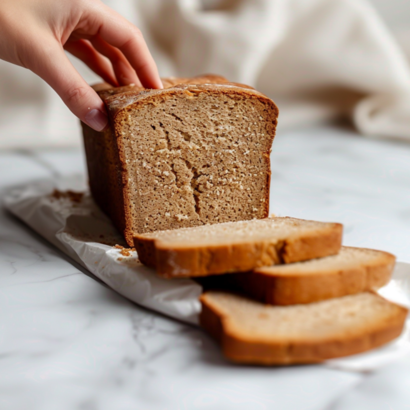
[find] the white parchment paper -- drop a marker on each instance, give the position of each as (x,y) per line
(84,233)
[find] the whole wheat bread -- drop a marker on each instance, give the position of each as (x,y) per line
(353,270)
(255,333)
(236,246)
(194,153)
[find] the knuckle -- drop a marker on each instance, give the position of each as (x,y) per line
(76,94)
(137,33)
(135,38)
(143,66)
(115,55)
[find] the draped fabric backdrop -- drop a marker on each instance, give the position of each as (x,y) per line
(318,59)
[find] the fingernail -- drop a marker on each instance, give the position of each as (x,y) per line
(96,119)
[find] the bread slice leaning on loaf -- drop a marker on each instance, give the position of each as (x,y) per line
(254,333)
(195,153)
(236,246)
(352,270)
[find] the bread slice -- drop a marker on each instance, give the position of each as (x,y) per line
(353,270)
(254,333)
(194,153)
(237,246)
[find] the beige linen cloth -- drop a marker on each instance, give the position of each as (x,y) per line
(318,59)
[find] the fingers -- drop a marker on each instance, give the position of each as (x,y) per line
(53,66)
(124,73)
(119,72)
(83,50)
(120,33)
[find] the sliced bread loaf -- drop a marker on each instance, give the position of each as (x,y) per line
(352,270)
(236,246)
(194,153)
(255,333)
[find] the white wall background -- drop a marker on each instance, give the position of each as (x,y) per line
(396,13)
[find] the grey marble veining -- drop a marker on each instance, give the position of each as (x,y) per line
(68,342)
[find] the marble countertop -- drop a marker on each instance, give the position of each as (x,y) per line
(68,342)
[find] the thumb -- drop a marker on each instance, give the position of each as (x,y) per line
(54,67)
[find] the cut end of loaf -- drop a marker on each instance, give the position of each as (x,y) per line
(197,158)
(194,153)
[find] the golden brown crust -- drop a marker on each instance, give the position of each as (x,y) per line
(146,251)
(294,288)
(113,168)
(118,98)
(105,174)
(306,247)
(244,349)
(191,261)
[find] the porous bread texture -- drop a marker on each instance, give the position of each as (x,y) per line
(352,270)
(255,333)
(236,246)
(194,153)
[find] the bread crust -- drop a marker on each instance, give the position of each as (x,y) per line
(105,174)
(194,261)
(118,101)
(294,288)
(248,350)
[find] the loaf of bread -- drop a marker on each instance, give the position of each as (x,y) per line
(194,153)
(352,270)
(255,333)
(184,174)
(236,246)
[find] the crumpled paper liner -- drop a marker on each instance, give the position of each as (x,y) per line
(75,225)
(84,233)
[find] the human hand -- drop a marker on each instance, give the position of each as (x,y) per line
(34,34)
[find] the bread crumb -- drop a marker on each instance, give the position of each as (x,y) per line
(124,251)
(71,195)
(127,251)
